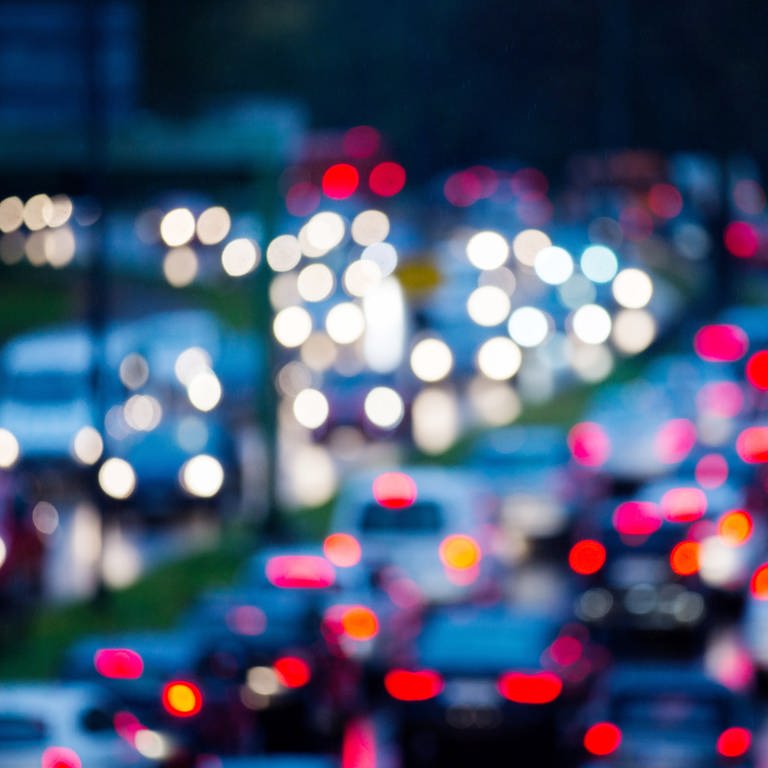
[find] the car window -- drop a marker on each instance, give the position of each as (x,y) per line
(672,712)
(419,517)
(47,387)
(16,730)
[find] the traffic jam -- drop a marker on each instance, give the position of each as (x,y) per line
(495,460)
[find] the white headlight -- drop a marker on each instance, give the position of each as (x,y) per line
(202,476)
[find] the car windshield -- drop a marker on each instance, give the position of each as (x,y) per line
(46,387)
(19,729)
(419,517)
(672,711)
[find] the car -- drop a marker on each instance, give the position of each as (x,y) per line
(485,676)
(428,527)
(64,725)
(530,472)
(670,715)
(47,394)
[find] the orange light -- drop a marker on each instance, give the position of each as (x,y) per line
(406,685)
(535,688)
(734,742)
(359,623)
(602,739)
(292,672)
(586,557)
(684,558)
(735,526)
(759,583)
(182,699)
(460,552)
(342,549)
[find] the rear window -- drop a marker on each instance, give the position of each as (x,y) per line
(678,712)
(16,730)
(419,517)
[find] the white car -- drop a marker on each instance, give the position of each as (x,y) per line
(47,395)
(55,724)
(427,529)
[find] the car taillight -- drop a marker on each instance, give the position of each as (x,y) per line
(533,688)
(182,699)
(734,742)
(292,672)
(118,663)
(408,685)
(602,739)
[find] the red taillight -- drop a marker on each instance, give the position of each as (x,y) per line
(118,663)
(300,572)
(292,672)
(734,742)
(182,699)
(602,739)
(407,685)
(534,688)
(60,757)
(394,490)
(586,557)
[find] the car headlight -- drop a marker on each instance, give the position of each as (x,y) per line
(117,478)
(202,476)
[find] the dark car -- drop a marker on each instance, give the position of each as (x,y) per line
(484,677)
(665,716)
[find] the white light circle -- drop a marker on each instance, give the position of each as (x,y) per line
(345,323)
(370,227)
(528,326)
(9,449)
(488,305)
(599,263)
(240,257)
(204,390)
(117,478)
(487,250)
(310,408)
(431,360)
(292,326)
(283,253)
(499,358)
(202,476)
(553,265)
(632,288)
(384,407)
(177,227)
(324,231)
(87,446)
(528,243)
(633,330)
(315,282)
(591,324)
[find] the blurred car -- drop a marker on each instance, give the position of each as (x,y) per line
(168,684)
(184,460)
(47,394)
(654,714)
(484,676)
(528,469)
(428,527)
(65,725)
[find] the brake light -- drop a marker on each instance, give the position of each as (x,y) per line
(407,685)
(182,699)
(735,527)
(292,672)
(602,739)
(118,663)
(637,518)
(300,572)
(758,585)
(394,490)
(359,622)
(534,688)
(734,742)
(586,557)
(684,558)
(342,549)
(684,505)
(60,757)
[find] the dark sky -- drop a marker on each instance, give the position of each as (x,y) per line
(455,81)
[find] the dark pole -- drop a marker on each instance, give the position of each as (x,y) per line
(615,59)
(97,299)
